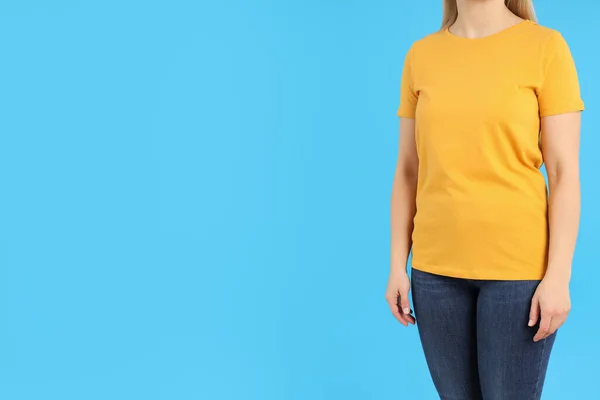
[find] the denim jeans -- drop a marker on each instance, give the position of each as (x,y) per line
(476,340)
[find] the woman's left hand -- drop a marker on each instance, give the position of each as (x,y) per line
(553,302)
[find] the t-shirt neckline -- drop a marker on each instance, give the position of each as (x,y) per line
(493,35)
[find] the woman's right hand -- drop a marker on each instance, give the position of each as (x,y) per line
(397,297)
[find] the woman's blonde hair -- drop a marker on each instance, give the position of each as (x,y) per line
(521,8)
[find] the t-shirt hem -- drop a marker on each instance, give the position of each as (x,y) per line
(480,274)
(557,111)
(405,114)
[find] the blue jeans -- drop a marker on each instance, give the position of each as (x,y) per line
(476,340)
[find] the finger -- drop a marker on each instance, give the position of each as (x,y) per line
(396,311)
(534,312)
(404,305)
(407,318)
(556,323)
(544,328)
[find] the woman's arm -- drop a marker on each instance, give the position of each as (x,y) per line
(404,191)
(402,212)
(560,146)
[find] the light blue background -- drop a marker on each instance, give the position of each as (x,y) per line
(195,196)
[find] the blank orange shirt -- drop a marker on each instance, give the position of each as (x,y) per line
(477,104)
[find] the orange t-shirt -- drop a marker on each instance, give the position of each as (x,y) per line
(477,104)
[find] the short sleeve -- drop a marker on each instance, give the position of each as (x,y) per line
(559,89)
(408,95)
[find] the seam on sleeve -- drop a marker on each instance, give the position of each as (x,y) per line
(412,68)
(546,60)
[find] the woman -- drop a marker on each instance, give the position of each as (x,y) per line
(484,102)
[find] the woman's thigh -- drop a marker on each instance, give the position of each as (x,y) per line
(445,310)
(511,365)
